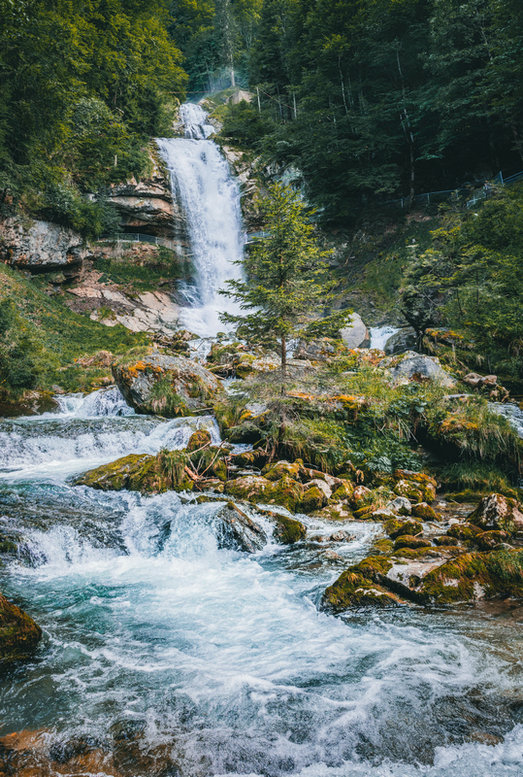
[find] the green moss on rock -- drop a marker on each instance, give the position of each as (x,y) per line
(19,634)
(398,526)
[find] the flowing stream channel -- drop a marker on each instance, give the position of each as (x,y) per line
(222,660)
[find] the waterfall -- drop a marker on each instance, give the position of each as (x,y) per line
(210,197)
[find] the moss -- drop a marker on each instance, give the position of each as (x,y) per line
(344,491)
(353,590)
(199,439)
(281,468)
(312,499)
(383,545)
(408,541)
(286,492)
(488,540)
(425,512)
(414,554)
(141,472)
(19,634)
(463,531)
(288,530)
(476,575)
(395,527)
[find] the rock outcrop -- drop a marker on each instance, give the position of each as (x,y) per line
(19,634)
(147,205)
(40,245)
(499,513)
(167,385)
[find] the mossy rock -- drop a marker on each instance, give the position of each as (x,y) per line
(313,499)
(408,490)
(463,531)
(426,553)
(199,439)
(418,481)
(408,541)
(286,492)
(475,576)
(344,491)
(424,511)
(167,385)
(141,472)
(446,540)
(281,468)
(354,591)
(288,531)
(361,496)
(248,433)
(19,634)
(489,540)
(395,527)
(499,513)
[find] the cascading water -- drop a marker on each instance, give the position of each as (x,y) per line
(210,198)
(183,658)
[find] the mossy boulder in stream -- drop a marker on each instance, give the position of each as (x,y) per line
(141,472)
(167,385)
(359,587)
(19,634)
(498,513)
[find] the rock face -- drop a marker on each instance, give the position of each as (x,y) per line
(40,245)
(356,334)
(416,366)
(167,385)
(147,206)
(19,634)
(499,513)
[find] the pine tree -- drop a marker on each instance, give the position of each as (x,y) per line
(285,275)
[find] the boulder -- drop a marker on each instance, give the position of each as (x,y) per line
(358,587)
(167,385)
(355,334)
(401,505)
(463,531)
(236,531)
(318,350)
(418,367)
(40,245)
(402,340)
(281,468)
(140,472)
(19,634)
(251,488)
(199,439)
(408,541)
(395,527)
(498,512)
(287,530)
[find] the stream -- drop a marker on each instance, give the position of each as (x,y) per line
(223,655)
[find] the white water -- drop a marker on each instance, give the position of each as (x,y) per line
(210,198)
(224,657)
(380,334)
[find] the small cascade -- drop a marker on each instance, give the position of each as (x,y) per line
(210,197)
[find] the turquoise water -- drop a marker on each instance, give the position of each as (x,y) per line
(222,657)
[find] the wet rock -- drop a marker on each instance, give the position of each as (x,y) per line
(412,366)
(402,340)
(239,532)
(167,385)
(401,505)
(141,472)
(475,576)
(40,245)
(357,588)
(355,334)
(498,512)
(343,491)
(313,499)
(416,482)
(251,488)
(281,468)
(395,527)
(288,531)
(19,634)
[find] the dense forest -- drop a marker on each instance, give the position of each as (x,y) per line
(370,101)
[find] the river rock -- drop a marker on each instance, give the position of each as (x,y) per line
(40,245)
(402,340)
(237,531)
(355,334)
(141,472)
(19,634)
(167,385)
(498,512)
(416,366)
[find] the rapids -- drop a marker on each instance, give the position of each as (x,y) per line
(224,658)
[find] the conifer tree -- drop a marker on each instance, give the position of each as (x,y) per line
(285,275)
